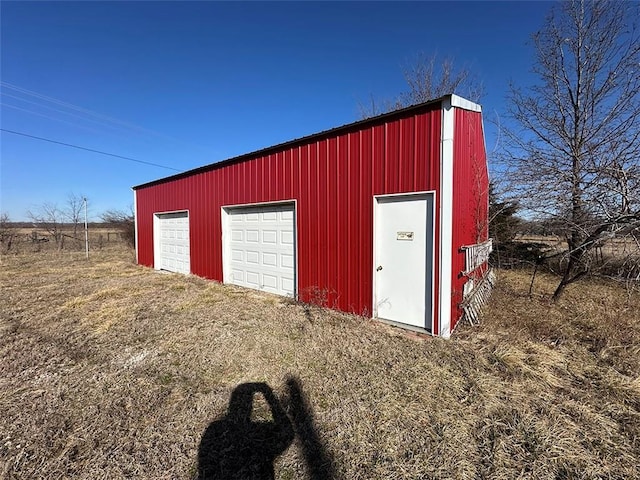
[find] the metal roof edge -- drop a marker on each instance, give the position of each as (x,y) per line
(305,139)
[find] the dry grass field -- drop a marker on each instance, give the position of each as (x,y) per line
(110,370)
(612,248)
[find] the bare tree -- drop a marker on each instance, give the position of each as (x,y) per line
(428,78)
(124,221)
(575,152)
(503,222)
(73,210)
(49,217)
(7,232)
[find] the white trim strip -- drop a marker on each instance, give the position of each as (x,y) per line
(446,217)
(135,222)
(260,204)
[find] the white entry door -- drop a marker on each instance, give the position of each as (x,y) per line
(403,259)
(171,246)
(259,248)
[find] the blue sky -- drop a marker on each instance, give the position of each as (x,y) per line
(187,84)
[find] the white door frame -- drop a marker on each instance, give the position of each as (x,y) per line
(224,216)
(156,238)
(408,196)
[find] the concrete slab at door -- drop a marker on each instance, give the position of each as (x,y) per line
(171,232)
(259,247)
(403,259)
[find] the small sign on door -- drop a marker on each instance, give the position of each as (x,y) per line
(404,236)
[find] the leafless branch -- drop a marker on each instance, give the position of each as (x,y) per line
(575,149)
(427,78)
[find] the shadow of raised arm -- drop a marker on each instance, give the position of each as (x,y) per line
(319,461)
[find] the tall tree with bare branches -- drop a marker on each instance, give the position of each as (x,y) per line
(50,218)
(73,211)
(428,77)
(575,152)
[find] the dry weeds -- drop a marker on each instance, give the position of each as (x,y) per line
(110,370)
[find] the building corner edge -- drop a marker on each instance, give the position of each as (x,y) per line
(446,216)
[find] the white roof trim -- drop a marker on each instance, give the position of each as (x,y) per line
(464,104)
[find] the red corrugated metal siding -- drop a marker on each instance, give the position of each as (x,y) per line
(470,197)
(333,178)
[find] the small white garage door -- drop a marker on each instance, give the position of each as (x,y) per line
(259,248)
(172,242)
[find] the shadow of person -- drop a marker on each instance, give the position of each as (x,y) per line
(319,461)
(236,447)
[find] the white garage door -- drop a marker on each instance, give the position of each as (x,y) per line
(259,250)
(172,242)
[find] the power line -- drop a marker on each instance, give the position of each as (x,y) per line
(86,114)
(82,110)
(42,105)
(88,149)
(8,105)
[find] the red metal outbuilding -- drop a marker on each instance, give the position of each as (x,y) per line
(386,217)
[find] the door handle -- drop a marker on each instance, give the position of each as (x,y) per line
(379,268)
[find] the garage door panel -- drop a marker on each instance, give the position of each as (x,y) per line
(253,279)
(270,259)
(288,285)
(237,276)
(286,260)
(252,257)
(269,281)
(286,237)
(267,245)
(269,237)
